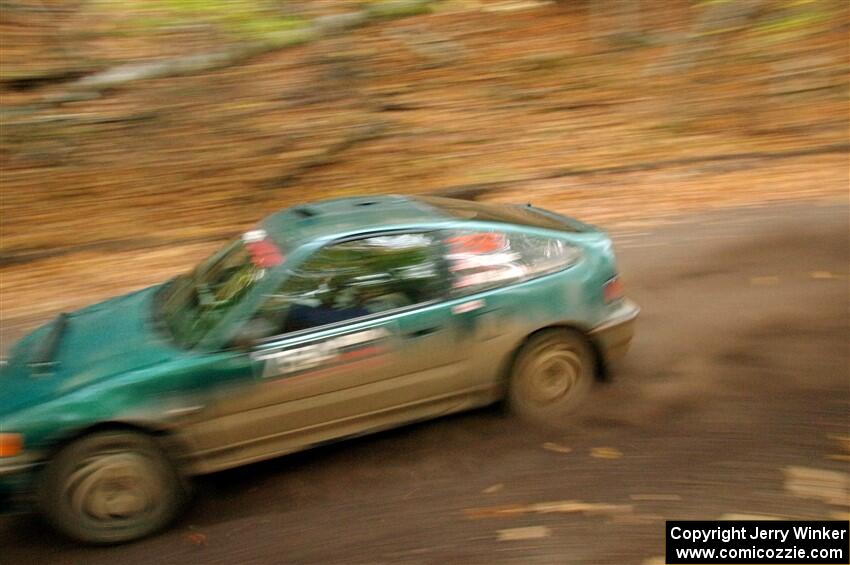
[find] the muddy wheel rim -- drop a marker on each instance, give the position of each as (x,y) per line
(114,488)
(553,375)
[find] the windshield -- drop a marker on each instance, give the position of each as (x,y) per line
(195,303)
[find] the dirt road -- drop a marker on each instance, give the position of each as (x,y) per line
(734,400)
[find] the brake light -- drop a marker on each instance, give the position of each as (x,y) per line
(613,289)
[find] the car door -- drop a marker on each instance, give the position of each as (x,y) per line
(494,309)
(362,340)
(479,265)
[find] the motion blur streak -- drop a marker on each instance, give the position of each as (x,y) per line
(708,137)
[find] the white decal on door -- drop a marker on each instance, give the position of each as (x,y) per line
(306,357)
(467,307)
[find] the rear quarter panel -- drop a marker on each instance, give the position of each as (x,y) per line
(507,316)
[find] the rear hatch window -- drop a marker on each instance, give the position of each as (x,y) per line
(503,213)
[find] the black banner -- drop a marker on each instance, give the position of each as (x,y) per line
(822,542)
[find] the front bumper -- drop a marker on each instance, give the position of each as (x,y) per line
(17,477)
(614,335)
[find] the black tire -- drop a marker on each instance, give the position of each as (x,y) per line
(110,487)
(552,375)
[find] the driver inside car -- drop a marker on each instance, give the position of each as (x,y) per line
(337,304)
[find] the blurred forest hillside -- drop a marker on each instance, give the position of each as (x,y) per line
(137,134)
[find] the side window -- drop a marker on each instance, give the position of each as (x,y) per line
(481,260)
(355,279)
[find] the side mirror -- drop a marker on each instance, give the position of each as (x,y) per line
(252,332)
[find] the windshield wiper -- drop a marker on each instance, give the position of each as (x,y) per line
(44,358)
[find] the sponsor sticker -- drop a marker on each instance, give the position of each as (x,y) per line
(478,243)
(253,236)
(468,307)
(325,353)
(264,253)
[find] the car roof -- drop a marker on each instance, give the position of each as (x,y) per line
(347,216)
(341,216)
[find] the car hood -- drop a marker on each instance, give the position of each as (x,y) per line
(103,340)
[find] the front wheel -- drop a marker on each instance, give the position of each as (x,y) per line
(552,375)
(110,487)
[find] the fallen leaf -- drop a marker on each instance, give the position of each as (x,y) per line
(556,447)
(635,519)
(833,487)
(196,538)
(529,532)
(655,497)
(496,511)
(493,488)
(749,517)
(569,506)
(822,275)
(606,453)
(560,506)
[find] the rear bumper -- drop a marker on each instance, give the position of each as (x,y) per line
(614,335)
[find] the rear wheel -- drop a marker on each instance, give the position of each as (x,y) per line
(110,487)
(552,375)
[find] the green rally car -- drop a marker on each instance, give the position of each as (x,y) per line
(327,320)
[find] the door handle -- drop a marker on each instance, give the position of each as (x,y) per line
(423,332)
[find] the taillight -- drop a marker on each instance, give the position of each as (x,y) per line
(613,289)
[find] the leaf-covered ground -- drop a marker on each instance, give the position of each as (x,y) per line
(553,103)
